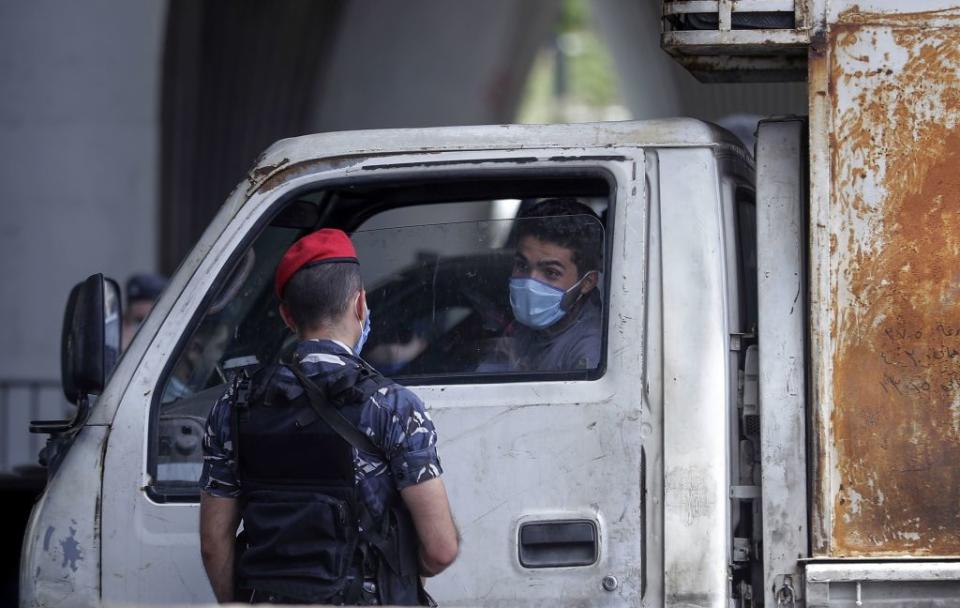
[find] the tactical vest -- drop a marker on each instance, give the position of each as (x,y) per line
(307,532)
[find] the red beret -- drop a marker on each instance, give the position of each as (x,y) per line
(322,246)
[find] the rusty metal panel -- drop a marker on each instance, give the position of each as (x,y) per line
(886,284)
(893,12)
(820,125)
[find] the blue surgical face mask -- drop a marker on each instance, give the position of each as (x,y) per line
(364,333)
(537,304)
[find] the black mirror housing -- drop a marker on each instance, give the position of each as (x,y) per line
(90,342)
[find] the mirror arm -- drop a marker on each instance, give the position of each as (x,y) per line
(58,427)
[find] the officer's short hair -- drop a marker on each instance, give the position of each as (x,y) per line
(568,223)
(319,294)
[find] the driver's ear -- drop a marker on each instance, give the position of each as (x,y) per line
(287,317)
(589,282)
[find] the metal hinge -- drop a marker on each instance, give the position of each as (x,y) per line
(741,549)
(737,340)
(745,492)
(786,594)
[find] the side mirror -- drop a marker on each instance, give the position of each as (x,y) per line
(90,343)
(89,350)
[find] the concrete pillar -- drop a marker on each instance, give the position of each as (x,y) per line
(78,138)
(429,63)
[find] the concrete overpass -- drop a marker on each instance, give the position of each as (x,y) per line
(124,125)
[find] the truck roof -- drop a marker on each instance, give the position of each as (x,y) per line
(674,132)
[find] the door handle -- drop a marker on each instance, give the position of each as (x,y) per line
(557,544)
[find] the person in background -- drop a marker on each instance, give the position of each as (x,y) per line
(142,292)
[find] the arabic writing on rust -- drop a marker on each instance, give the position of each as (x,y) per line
(921,363)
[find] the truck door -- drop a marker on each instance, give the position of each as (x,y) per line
(544,464)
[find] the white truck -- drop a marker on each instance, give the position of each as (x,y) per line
(774,420)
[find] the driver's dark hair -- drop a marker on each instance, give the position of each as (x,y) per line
(568,223)
(316,295)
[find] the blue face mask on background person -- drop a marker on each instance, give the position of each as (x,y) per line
(364,333)
(536,304)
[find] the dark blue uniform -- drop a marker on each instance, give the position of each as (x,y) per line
(395,420)
(392,417)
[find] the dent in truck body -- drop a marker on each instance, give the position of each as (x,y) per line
(60,564)
(887,286)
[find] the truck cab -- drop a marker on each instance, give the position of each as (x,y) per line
(635,481)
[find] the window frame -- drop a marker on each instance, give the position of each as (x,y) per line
(160,491)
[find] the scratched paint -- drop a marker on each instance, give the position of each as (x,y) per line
(690,491)
(47,536)
(894,264)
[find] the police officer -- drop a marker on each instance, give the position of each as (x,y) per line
(332,468)
(142,291)
(553,291)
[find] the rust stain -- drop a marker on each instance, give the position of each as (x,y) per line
(264,179)
(260,172)
(895,257)
(920,19)
(819,83)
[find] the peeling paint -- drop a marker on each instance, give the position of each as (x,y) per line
(894,262)
(283,171)
(60,560)
(260,173)
(821,240)
(72,553)
(855,500)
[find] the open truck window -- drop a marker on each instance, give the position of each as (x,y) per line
(484,300)
(462,288)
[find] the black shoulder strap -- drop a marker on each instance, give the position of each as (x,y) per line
(337,421)
(241,393)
